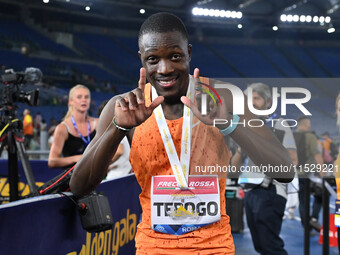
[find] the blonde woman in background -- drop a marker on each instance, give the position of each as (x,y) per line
(337,173)
(75,132)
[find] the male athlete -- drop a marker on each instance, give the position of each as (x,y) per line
(157,119)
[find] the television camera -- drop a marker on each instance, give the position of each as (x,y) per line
(13,82)
(11,128)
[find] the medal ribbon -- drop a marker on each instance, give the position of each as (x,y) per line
(180,168)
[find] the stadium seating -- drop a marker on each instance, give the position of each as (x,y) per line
(110,63)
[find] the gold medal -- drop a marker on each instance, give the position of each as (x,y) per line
(185,203)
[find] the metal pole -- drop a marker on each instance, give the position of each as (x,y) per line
(307,216)
(325,221)
(43,142)
(13,175)
(26,166)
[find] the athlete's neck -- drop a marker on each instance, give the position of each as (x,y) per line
(173,111)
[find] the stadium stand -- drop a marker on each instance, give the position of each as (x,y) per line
(110,62)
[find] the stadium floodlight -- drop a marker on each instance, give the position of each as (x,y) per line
(200,12)
(196,11)
(46,1)
(331,30)
(87,8)
(296,18)
(205,12)
(289,18)
(217,13)
(275,28)
(239,26)
(283,17)
(142,11)
(333,9)
(321,20)
(222,13)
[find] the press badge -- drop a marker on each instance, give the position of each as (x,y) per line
(337,213)
(178,211)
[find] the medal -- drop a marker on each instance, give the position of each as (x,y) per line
(184,206)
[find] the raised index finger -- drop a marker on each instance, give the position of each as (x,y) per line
(205,119)
(142,79)
(197,77)
(196,73)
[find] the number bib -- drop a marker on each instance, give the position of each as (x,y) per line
(178,211)
(337,213)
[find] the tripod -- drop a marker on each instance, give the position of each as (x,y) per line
(11,136)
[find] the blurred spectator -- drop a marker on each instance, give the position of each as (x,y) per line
(309,154)
(43,125)
(337,173)
(265,198)
(53,125)
(37,120)
(37,125)
(329,149)
(27,128)
(72,136)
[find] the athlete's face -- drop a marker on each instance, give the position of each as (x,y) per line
(166,57)
(80,100)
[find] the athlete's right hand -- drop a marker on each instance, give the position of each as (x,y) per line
(130,109)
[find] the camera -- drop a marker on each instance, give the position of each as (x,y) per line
(95,212)
(14,80)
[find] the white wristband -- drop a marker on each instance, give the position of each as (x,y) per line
(120,128)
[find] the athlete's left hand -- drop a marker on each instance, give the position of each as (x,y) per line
(214,110)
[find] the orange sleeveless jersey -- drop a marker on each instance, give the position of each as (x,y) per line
(148,158)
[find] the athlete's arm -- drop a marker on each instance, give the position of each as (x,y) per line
(259,143)
(129,111)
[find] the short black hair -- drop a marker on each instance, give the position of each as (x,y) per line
(162,22)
